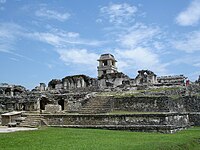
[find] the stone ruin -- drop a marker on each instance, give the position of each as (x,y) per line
(11,90)
(110,78)
(172,80)
(198,81)
(91,99)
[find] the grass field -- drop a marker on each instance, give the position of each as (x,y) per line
(92,139)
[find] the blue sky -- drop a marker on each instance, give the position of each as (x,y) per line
(41,40)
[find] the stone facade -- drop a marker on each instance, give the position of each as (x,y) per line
(11,90)
(149,104)
(145,77)
(172,80)
(78,81)
(112,80)
(107,65)
(50,108)
(165,123)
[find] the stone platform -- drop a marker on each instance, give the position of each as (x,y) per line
(157,122)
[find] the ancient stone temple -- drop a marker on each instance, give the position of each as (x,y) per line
(107,64)
(86,102)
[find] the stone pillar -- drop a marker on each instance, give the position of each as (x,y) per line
(109,62)
(12,92)
(100,64)
(42,87)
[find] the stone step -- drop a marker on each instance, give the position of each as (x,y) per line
(31,121)
(96,105)
(92,108)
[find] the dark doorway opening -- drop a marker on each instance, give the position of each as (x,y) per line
(61,102)
(17,92)
(44,101)
(8,91)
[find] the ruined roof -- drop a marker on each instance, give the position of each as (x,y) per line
(76,76)
(148,72)
(113,75)
(172,77)
(107,57)
(54,81)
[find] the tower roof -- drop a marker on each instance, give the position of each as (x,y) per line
(106,57)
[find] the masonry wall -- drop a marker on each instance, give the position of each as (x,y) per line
(148,104)
(192,105)
(161,121)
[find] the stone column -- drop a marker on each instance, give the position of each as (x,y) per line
(100,64)
(11,92)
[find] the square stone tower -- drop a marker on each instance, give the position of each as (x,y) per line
(107,64)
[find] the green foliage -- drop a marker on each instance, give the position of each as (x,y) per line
(131,112)
(154,92)
(86,139)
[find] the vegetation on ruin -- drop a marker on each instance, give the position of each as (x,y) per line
(86,139)
(131,112)
(153,92)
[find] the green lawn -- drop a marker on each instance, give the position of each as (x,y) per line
(92,139)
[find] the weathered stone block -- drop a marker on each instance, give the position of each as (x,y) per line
(50,108)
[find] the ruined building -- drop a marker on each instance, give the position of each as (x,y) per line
(94,99)
(145,77)
(107,65)
(72,91)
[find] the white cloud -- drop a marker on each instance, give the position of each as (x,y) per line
(139,47)
(72,35)
(60,39)
(140,58)
(78,56)
(51,14)
(8,36)
(49,38)
(139,35)
(119,13)
(14,59)
(190,16)
(189,42)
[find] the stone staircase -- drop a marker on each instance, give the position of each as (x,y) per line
(33,121)
(97,105)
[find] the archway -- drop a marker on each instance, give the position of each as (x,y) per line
(17,92)
(62,103)
(1,91)
(43,101)
(8,91)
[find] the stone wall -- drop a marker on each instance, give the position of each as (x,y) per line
(163,122)
(148,104)
(78,81)
(112,80)
(18,103)
(191,103)
(145,77)
(52,109)
(172,80)
(194,118)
